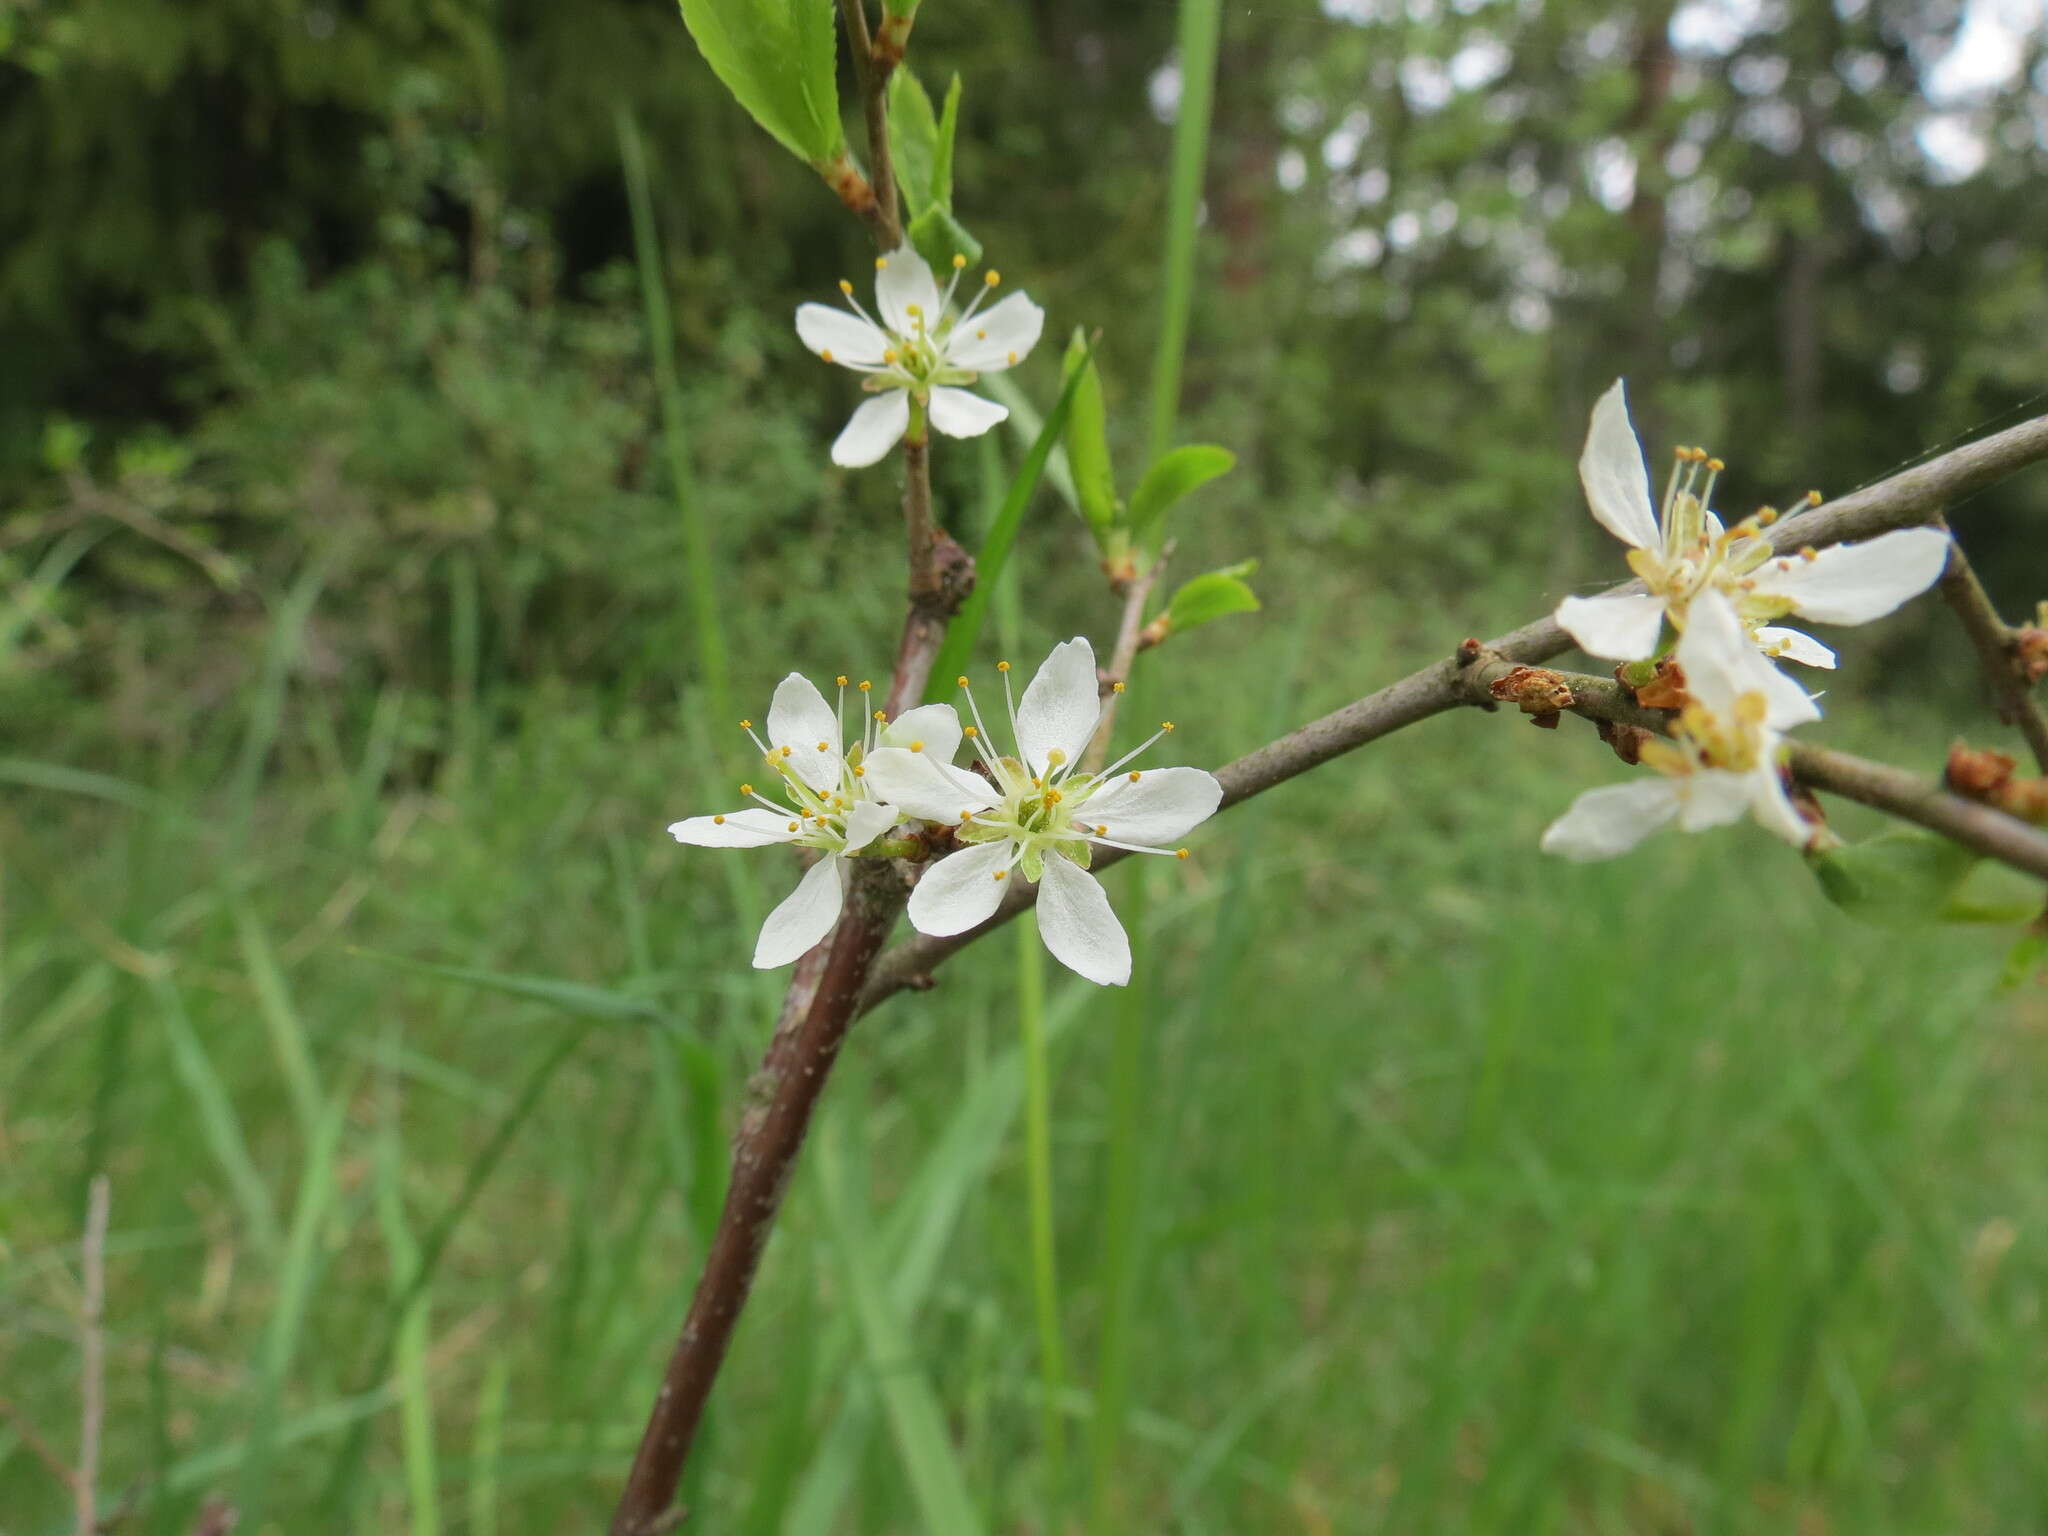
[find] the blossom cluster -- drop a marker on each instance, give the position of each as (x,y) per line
(1035,811)
(1713,596)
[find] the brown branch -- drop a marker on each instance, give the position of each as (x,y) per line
(92,1371)
(1909,497)
(873,78)
(1998,650)
(1130,634)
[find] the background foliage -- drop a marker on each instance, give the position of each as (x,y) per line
(340,620)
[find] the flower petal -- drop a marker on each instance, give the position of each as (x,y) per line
(924,787)
(961,891)
(1060,708)
(1855,583)
(1611,470)
(1773,809)
(998,336)
(735,829)
(867,821)
(904,282)
(1075,920)
(839,337)
(1158,807)
(800,720)
(1712,797)
(1794,645)
(805,916)
(935,725)
(874,428)
(1618,628)
(1722,663)
(1611,820)
(962,413)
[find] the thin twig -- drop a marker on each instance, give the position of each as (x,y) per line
(1997,649)
(1898,501)
(873,79)
(93,1350)
(1128,632)
(38,1447)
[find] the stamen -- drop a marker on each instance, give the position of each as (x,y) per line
(718,821)
(1116,687)
(1135,775)
(825,353)
(970,732)
(1166,725)
(959,261)
(917,746)
(1180,853)
(865,685)
(881,263)
(795,826)
(1002,666)
(824,746)
(845,287)
(999,874)
(746,789)
(840,679)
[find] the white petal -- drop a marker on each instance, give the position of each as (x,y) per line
(1618,628)
(962,413)
(923,786)
(1060,708)
(1794,645)
(735,829)
(805,916)
(1855,583)
(1773,808)
(1712,797)
(1611,820)
(873,429)
(1157,809)
(846,338)
(801,720)
(1611,470)
(1722,663)
(933,724)
(1077,925)
(904,282)
(998,336)
(867,821)
(961,891)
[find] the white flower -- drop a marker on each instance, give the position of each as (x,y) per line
(1037,812)
(828,803)
(1721,760)
(918,353)
(1688,551)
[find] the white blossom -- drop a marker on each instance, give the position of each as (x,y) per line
(1722,758)
(1687,551)
(1035,811)
(827,802)
(918,354)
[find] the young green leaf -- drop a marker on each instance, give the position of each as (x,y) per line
(942,150)
(779,58)
(1172,476)
(939,238)
(1996,894)
(1088,443)
(1904,878)
(914,141)
(1212,595)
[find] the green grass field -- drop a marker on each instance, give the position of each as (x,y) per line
(1438,1187)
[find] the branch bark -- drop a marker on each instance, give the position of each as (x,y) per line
(1998,650)
(873,78)
(1912,496)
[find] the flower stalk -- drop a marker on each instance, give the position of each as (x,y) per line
(1998,649)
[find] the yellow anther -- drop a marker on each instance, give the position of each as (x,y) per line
(1809,553)
(1013,359)
(992,277)
(718,821)
(981,335)
(1000,873)
(959,261)
(825,353)
(1037,783)
(1166,725)
(1134,775)
(1716,465)
(1052,797)
(1116,687)
(824,746)
(967,815)
(1766,516)
(1002,666)
(865,685)
(881,263)
(787,750)
(845,287)
(915,311)
(888,354)
(1180,853)
(961,679)
(1102,831)
(1813,498)
(746,725)
(859,772)
(972,731)
(1056,756)
(917,746)
(746,789)
(840,680)
(795,826)
(881,714)
(1741,531)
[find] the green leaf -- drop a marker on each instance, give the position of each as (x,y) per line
(1172,476)
(914,141)
(1212,595)
(1088,443)
(779,58)
(939,238)
(2023,960)
(965,629)
(942,152)
(1996,894)
(572,997)
(1904,878)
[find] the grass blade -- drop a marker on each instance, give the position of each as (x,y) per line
(572,997)
(218,1122)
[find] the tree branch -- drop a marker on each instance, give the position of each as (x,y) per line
(873,78)
(1998,650)
(1129,641)
(1909,497)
